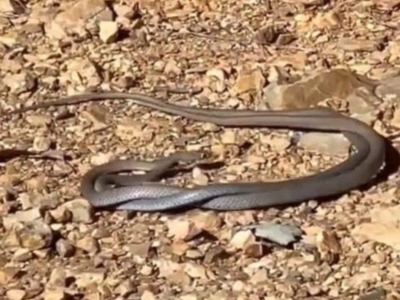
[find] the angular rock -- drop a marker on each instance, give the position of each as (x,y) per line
(389,89)
(314,89)
(329,144)
(73,19)
(32,235)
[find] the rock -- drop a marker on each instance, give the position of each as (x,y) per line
(88,244)
(386,5)
(11,6)
(328,246)
(20,83)
(140,250)
(282,234)
(41,143)
(195,270)
(58,277)
(181,229)
(327,21)
(297,60)
(64,248)
(249,80)
(15,294)
(22,216)
(172,68)
(10,40)
(7,274)
(124,11)
(389,89)
(147,295)
(382,228)
(351,44)
(125,288)
(81,210)
(61,214)
(79,70)
(266,35)
(108,31)
(395,121)
(22,255)
(241,238)
(362,101)
(38,120)
(73,19)
(199,178)
(375,294)
(87,278)
(208,221)
(329,144)
(55,294)
(313,90)
(32,235)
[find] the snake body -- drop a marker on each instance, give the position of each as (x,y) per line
(143,194)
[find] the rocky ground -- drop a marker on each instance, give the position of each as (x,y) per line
(243,54)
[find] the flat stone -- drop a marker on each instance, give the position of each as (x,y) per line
(329,144)
(314,89)
(389,89)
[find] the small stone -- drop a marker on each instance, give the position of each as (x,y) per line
(238,286)
(7,274)
(85,279)
(147,295)
(58,277)
(188,297)
(395,121)
(260,277)
(124,11)
(389,89)
(214,254)
(228,137)
(22,216)
(195,270)
(314,290)
(125,288)
(41,144)
(312,90)
(15,294)
(216,73)
(241,238)
(172,67)
(64,248)
(38,120)
(199,178)
(33,235)
(329,144)
(88,244)
(20,83)
(22,255)
(82,211)
(249,80)
(55,294)
(181,229)
(266,35)
(146,270)
(61,214)
(351,44)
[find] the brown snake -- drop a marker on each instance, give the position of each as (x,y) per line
(146,195)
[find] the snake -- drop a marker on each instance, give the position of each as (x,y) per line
(145,192)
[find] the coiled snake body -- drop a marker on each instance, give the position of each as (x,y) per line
(147,195)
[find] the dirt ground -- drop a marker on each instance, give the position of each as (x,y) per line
(249,54)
